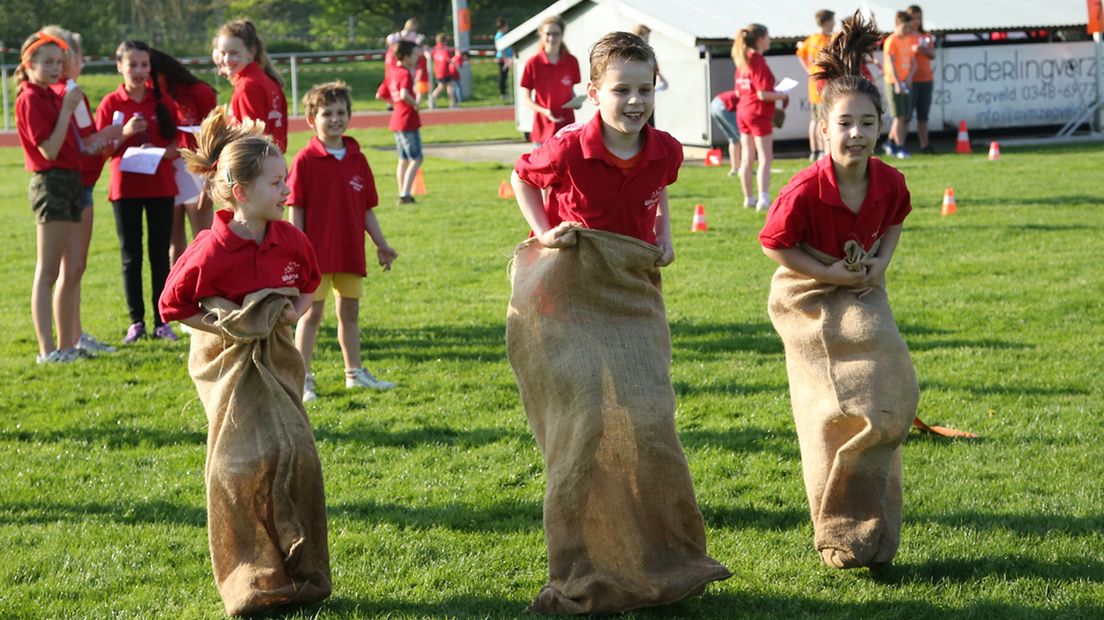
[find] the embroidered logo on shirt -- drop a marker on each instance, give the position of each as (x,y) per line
(357,183)
(566,81)
(653,200)
(291,273)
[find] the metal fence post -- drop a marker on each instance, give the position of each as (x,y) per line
(294,86)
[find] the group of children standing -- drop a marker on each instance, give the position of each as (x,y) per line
(833,231)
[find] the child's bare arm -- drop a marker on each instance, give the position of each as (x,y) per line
(663,230)
(299,307)
(527,99)
(798,260)
(298,217)
(51,146)
(531,203)
(196,322)
(384,252)
(405,95)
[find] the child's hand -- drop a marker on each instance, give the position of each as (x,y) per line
(668,250)
(875,276)
(552,117)
(840,275)
(135,125)
(386,255)
(73,96)
(560,236)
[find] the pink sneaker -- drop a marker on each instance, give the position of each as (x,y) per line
(135,332)
(165,332)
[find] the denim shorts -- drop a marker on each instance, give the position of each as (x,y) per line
(86,196)
(408,144)
(725,119)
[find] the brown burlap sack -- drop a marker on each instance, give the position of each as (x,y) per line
(588,340)
(854,395)
(266,511)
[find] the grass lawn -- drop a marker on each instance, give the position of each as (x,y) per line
(434,489)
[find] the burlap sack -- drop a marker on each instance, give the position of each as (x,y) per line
(854,395)
(266,511)
(588,340)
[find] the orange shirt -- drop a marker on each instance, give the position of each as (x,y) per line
(808,50)
(923,63)
(901,50)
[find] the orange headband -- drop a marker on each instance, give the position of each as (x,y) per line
(43,39)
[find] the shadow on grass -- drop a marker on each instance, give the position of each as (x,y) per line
(411,438)
(113,437)
(742,441)
(692,339)
(479,343)
(1025,524)
(462,606)
(508,516)
(961,570)
(684,388)
(924,338)
(749,517)
(1004,390)
(124,512)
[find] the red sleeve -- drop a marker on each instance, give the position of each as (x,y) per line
(904,205)
(576,77)
(33,122)
(761,77)
(249,102)
(371,198)
(314,275)
(787,222)
(178,298)
(384,91)
(296,182)
(676,161)
(538,167)
(529,75)
(103,113)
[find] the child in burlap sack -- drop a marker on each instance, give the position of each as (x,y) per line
(833,230)
(241,286)
(588,340)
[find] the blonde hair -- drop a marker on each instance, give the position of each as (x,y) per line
(247,32)
(745,42)
(229,154)
(72,39)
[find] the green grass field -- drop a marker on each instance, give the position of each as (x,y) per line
(434,489)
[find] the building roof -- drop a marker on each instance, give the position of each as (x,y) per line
(712,20)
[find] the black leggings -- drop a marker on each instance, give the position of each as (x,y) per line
(128,227)
(503,72)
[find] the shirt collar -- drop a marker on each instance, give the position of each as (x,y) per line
(233,242)
(594,147)
(315,147)
(828,190)
(250,71)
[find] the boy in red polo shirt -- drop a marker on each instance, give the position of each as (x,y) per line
(333,196)
(404,118)
(833,231)
(445,71)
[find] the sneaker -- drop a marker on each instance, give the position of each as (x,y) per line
(88,343)
(762,206)
(902,154)
(890,148)
(405,200)
(749,203)
(57,356)
(928,150)
(164,331)
(135,332)
(309,393)
(361,378)
(80,354)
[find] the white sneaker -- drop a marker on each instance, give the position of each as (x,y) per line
(762,206)
(361,378)
(88,344)
(309,393)
(57,356)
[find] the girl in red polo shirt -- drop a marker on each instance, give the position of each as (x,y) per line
(833,231)
(548,82)
(258,87)
(755,110)
(149,120)
(52,154)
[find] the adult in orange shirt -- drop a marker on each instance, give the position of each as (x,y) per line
(923,45)
(897,58)
(807,52)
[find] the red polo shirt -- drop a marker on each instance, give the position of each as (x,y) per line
(259,97)
(193,103)
(130,184)
(810,209)
(754,77)
(730,99)
(442,61)
(553,85)
(404,117)
(91,165)
(336,196)
(36,112)
(221,263)
(585,184)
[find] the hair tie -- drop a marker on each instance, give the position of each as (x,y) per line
(214,165)
(43,39)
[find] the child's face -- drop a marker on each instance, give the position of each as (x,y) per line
(903,28)
(233,55)
(74,64)
(852,129)
(763,44)
(410,61)
(626,95)
(330,121)
(46,65)
(551,38)
(263,201)
(135,68)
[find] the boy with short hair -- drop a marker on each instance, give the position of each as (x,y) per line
(404,118)
(588,340)
(333,195)
(807,52)
(897,59)
(444,71)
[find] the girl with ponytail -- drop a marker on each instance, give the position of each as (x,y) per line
(833,231)
(148,119)
(258,87)
(241,286)
(755,110)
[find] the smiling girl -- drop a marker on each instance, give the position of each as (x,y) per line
(258,87)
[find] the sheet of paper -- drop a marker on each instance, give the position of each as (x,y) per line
(786,85)
(192,129)
(575,102)
(141,160)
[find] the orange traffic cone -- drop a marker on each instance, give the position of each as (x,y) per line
(699,224)
(505,190)
(963,144)
(994,150)
(713,157)
(419,184)
(949,205)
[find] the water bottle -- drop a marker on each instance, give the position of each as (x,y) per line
(84,119)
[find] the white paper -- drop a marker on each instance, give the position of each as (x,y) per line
(118,117)
(575,102)
(141,160)
(786,85)
(192,129)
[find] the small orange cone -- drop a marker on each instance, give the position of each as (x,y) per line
(505,190)
(963,144)
(699,224)
(994,150)
(419,184)
(949,205)
(713,157)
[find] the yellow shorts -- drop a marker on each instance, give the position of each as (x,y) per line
(347,285)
